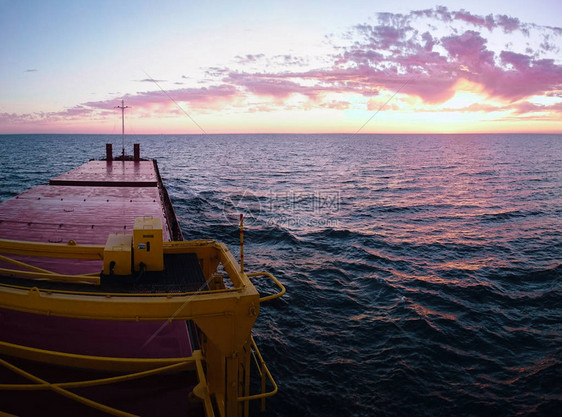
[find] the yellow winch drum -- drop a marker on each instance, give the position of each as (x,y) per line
(147,244)
(117,255)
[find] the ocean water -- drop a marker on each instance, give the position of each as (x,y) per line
(423,272)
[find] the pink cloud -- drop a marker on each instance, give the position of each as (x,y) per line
(504,74)
(480,107)
(151,80)
(382,36)
(398,52)
(390,55)
(337,105)
(74,112)
(360,56)
(468,49)
(432,91)
(510,24)
(549,46)
(540,77)
(250,58)
(515,109)
(154,101)
(527,107)
(519,61)
(290,60)
(14,118)
(381,105)
(265,85)
(193,96)
(506,23)
(312,84)
(429,41)
(487,21)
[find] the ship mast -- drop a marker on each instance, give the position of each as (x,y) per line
(122,107)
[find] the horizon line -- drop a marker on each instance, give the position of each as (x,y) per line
(288,133)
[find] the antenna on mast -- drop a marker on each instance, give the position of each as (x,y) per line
(122,107)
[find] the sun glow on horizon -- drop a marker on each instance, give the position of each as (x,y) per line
(423,69)
(466,94)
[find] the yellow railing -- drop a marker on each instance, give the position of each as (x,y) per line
(95,252)
(62,388)
(225,316)
(73,251)
(52,250)
(151,367)
(51,276)
(91,278)
(275,280)
(103,363)
(123,294)
(40,273)
(264,372)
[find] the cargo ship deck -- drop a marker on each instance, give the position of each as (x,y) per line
(84,206)
(78,291)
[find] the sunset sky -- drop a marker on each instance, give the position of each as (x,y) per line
(279,67)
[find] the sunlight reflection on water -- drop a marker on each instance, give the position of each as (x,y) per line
(423,272)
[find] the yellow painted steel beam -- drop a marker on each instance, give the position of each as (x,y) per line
(183,244)
(71,250)
(226,317)
(52,250)
(83,400)
(23,265)
(97,382)
(201,390)
(115,306)
(157,308)
(100,363)
(119,294)
(51,276)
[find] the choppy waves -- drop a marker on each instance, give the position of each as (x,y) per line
(423,273)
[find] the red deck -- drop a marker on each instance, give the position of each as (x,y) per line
(86,212)
(146,339)
(86,205)
(111,173)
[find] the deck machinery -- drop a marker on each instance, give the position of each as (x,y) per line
(95,278)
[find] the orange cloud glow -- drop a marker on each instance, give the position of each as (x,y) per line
(430,70)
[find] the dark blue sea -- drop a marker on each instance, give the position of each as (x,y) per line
(423,272)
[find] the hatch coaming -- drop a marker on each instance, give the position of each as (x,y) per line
(76,212)
(84,206)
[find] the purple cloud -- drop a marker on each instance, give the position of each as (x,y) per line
(151,80)
(510,24)
(488,21)
(395,48)
(425,53)
(395,52)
